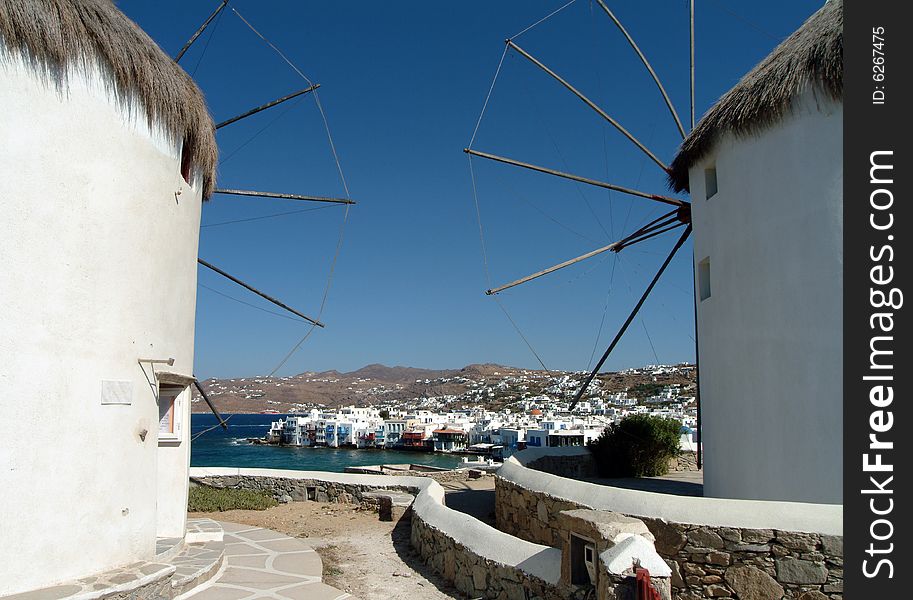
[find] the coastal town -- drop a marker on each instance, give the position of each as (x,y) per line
(497,414)
(193,449)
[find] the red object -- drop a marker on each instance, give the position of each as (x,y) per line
(643,586)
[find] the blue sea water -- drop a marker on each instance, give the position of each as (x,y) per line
(230,448)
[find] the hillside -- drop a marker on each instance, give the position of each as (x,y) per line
(490,385)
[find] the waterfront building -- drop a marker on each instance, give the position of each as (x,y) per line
(511,438)
(417,437)
(393,431)
(449,439)
(274,435)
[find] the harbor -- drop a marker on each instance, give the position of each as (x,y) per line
(229,447)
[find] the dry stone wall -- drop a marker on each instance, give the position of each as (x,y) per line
(583,466)
(475,576)
(685,461)
(706,561)
(285,489)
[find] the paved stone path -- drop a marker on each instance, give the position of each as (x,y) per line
(261,563)
(475,497)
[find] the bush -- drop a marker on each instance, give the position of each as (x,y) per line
(210,499)
(637,446)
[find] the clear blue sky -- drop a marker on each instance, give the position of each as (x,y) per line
(402,86)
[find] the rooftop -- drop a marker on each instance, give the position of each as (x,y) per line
(811,58)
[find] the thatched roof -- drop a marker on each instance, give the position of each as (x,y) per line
(811,58)
(57,35)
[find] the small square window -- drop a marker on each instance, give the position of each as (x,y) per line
(710,188)
(703,278)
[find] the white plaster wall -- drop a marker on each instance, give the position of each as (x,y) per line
(771,331)
(98,269)
(824,519)
(173,466)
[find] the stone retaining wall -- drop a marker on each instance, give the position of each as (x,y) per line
(574,466)
(475,576)
(583,466)
(285,489)
(685,461)
(707,560)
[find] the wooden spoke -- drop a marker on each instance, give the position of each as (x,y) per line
(202,28)
(589,103)
(263,107)
(656,226)
(212,407)
(259,293)
(283,196)
(630,318)
(643,59)
(602,184)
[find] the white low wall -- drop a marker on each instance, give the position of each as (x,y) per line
(542,562)
(824,519)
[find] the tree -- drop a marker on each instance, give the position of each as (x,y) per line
(637,446)
(384,414)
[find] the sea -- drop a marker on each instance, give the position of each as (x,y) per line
(219,447)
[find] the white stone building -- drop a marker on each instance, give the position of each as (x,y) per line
(765,170)
(108,152)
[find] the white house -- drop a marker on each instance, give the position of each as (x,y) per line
(393,430)
(108,152)
(765,170)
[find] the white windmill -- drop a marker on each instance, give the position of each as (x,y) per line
(764,172)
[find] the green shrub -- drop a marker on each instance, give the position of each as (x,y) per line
(210,499)
(637,446)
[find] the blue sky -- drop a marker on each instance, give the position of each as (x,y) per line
(402,87)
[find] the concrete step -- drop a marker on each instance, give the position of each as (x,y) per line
(203,530)
(176,569)
(195,565)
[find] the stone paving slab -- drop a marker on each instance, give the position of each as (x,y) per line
(196,564)
(261,563)
(123,580)
(256,564)
(203,530)
(177,566)
(168,548)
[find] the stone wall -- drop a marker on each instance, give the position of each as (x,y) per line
(286,489)
(707,561)
(583,466)
(574,466)
(475,576)
(685,461)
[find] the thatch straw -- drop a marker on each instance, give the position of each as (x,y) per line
(811,58)
(54,36)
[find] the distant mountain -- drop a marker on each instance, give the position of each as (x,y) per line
(399,374)
(380,384)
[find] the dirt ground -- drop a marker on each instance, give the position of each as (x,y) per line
(369,558)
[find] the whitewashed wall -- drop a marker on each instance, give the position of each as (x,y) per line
(99,270)
(173,467)
(771,331)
